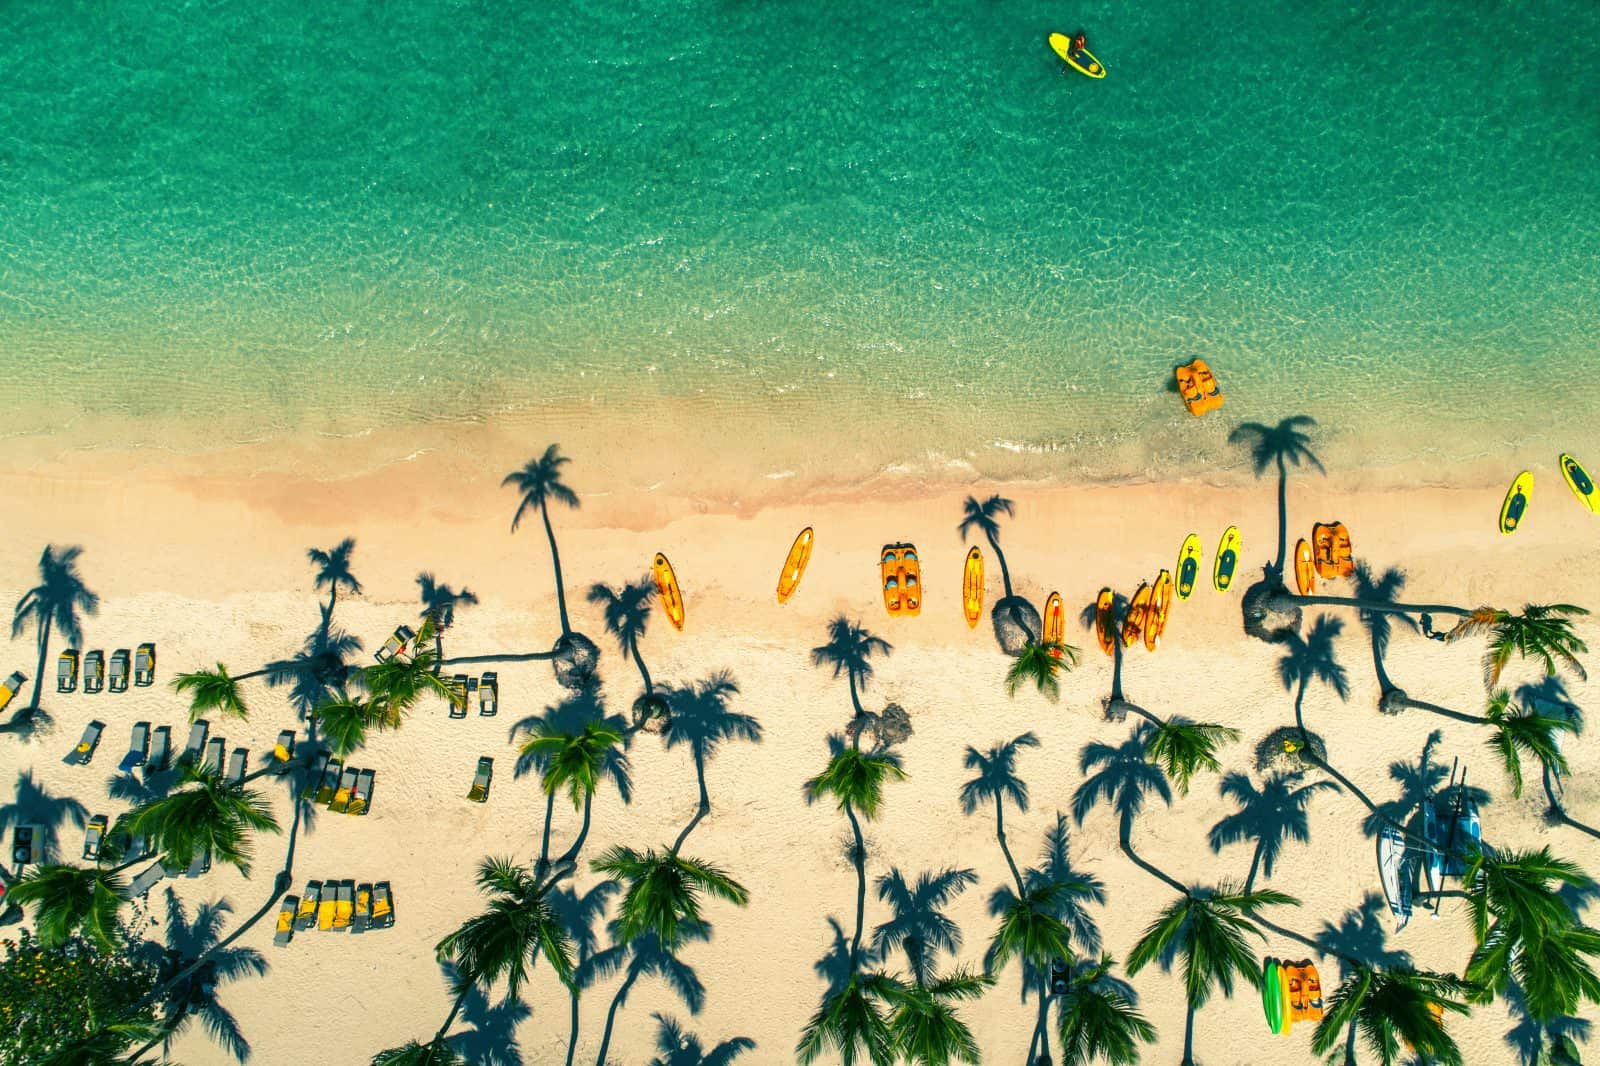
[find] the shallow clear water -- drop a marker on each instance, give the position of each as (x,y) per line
(903,216)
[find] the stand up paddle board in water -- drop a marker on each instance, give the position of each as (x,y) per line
(1079,59)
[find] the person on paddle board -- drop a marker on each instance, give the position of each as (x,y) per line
(1079,42)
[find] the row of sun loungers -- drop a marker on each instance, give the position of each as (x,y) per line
(141,664)
(486,689)
(342,789)
(334,906)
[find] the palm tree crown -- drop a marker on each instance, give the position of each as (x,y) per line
(397,684)
(1392,1007)
(212,817)
(1040,662)
(1098,1019)
(519,926)
(574,760)
(71,899)
(1206,932)
(664,891)
(1542,631)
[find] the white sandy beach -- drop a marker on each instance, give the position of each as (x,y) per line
(209,562)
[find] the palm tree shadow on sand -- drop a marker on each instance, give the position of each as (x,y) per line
(490,1034)
(835,966)
(1419,781)
(1553,1043)
(1016,621)
(317,671)
(674,1047)
(1270,814)
(36,806)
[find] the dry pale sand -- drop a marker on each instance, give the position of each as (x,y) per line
(211,566)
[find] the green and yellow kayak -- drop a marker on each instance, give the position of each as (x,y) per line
(1079,59)
(1272,999)
(1579,481)
(1516,502)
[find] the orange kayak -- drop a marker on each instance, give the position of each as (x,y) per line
(671,595)
(889,571)
(1343,560)
(972,588)
(1305,572)
(794,566)
(1160,606)
(1104,606)
(910,580)
(1055,622)
(1138,608)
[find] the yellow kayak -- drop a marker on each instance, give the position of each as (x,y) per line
(1516,502)
(972,588)
(1188,565)
(1579,481)
(1305,569)
(1079,59)
(1155,622)
(1055,622)
(1227,559)
(667,586)
(794,567)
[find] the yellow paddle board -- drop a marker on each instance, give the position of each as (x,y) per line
(1188,565)
(1305,568)
(972,588)
(1516,502)
(1227,559)
(667,585)
(794,567)
(1079,59)
(1579,481)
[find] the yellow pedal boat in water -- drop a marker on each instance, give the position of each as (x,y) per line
(1079,59)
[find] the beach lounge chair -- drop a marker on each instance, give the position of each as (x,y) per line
(119,669)
(479,793)
(93,834)
(325,909)
(285,920)
(94,671)
(138,748)
(382,906)
(328,784)
(236,763)
(395,645)
(67,670)
(9,690)
(283,750)
(197,741)
(305,915)
(146,880)
(458,706)
(344,906)
(160,749)
(318,766)
(216,752)
(144,666)
(489,695)
(87,744)
(361,799)
(363,916)
(347,788)
(22,844)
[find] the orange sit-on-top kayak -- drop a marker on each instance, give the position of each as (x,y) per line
(667,586)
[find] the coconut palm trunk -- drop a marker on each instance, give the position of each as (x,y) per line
(555,560)
(544,844)
(1188,1014)
(859,857)
(1386,608)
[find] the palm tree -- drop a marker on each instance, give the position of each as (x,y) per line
(924,1026)
(852,1021)
(212,691)
(539,482)
(317,671)
(1206,931)
(434,1053)
(1055,866)
(1280,445)
(195,995)
(212,817)
(647,958)
(1526,730)
(397,684)
(69,900)
(849,651)
(1040,662)
(1541,631)
(997,780)
(439,603)
(1183,748)
(985,518)
(53,603)
(1098,1018)
(663,892)
(626,612)
(574,761)
(333,571)
(1311,658)
(1381,588)
(702,722)
(345,722)
(678,1048)
(1526,930)
(1389,1008)
(919,925)
(504,941)
(1269,815)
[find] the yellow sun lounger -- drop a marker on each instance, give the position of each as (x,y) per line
(286,914)
(329,783)
(382,906)
(305,916)
(363,908)
(326,908)
(479,793)
(347,786)
(344,906)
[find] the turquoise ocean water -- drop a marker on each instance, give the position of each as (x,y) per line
(904,218)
